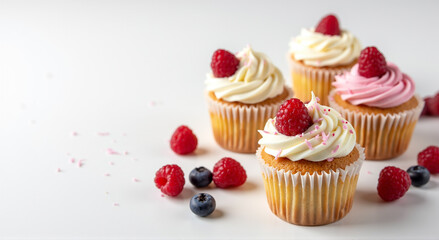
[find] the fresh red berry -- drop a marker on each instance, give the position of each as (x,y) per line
(224,63)
(371,63)
(429,158)
(425,110)
(293,118)
(170,180)
(183,141)
(433,105)
(328,26)
(227,172)
(393,183)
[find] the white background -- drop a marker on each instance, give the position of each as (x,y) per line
(136,70)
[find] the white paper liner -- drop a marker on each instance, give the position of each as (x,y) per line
(235,127)
(318,80)
(383,136)
(311,199)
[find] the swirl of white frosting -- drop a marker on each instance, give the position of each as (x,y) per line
(329,137)
(319,50)
(256,80)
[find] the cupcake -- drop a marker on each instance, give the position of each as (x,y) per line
(310,163)
(380,102)
(244,90)
(317,55)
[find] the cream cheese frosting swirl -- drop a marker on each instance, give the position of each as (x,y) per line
(319,50)
(255,80)
(329,137)
(390,90)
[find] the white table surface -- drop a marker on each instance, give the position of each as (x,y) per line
(136,70)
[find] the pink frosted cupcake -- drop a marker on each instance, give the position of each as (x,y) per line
(380,102)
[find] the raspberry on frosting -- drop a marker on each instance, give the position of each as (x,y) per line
(293,117)
(328,26)
(372,63)
(224,63)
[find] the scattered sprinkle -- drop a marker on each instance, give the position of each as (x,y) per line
(152,103)
(336,149)
(318,99)
(80,163)
(345,126)
(266,132)
(103,133)
(324,138)
(308,144)
(317,127)
(111,163)
(124,134)
(116,204)
(58,170)
(333,134)
(72,160)
(136,180)
(125,153)
(112,152)
(369,172)
(318,120)
(106,174)
(278,154)
(330,159)
(74,134)
(163,195)
(351,132)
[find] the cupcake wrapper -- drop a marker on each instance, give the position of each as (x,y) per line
(311,199)
(383,136)
(306,79)
(235,127)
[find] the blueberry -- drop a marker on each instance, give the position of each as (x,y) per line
(202,204)
(419,175)
(200,177)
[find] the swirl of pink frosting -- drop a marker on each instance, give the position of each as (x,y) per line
(390,90)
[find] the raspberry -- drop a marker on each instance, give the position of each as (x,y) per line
(328,26)
(293,118)
(227,172)
(183,141)
(371,63)
(429,158)
(425,110)
(224,63)
(170,180)
(433,105)
(393,183)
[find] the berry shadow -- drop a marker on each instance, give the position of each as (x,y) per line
(430,185)
(247,186)
(216,214)
(187,193)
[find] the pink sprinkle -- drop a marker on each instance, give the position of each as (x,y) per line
(125,153)
(345,126)
(152,103)
(331,98)
(278,154)
(329,109)
(107,174)
(136,180)
(317,127)
(276,133)
(324,138)
(330,159)
(318,99)
(312,131)
(333,134)
(58,170)
(116,204)
(80,163)
(308,144)
(112,152)
(111,163)
(74,134)
(318,120)
(352,132)
(369,172)
(124,134)
(335,149)
(317,137)
(72,160)
(326,113)
(103,133)
(163,195)
(266,132)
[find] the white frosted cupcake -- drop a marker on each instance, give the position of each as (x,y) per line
(243,91)
(310,175)
(317,55)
